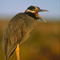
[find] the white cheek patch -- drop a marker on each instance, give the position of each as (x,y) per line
(30,11)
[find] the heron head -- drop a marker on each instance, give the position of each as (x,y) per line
(35,10)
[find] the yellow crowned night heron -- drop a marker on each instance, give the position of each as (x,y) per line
(19,29)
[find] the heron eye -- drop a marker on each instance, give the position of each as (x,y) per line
(35,13)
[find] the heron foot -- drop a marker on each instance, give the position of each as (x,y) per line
(17,52)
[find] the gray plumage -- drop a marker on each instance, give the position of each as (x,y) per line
(17,31)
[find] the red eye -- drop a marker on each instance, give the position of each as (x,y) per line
(36,13)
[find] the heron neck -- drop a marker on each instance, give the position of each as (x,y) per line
(31,15)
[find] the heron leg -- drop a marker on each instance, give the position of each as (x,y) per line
(17,52)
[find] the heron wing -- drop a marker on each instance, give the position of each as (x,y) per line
(13,34)
(17,31)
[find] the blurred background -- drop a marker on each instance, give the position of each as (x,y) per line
(43,44)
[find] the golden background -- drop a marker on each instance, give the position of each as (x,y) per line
(43,44)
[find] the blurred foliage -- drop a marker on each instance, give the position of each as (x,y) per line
(43,44)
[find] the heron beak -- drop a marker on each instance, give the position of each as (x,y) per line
(41,10)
